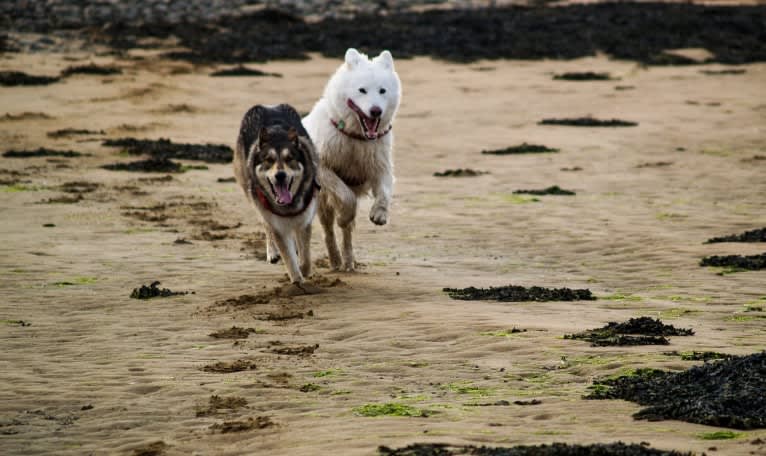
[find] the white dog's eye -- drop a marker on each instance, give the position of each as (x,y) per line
(382,91)
(363,90)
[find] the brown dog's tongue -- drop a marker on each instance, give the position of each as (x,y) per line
(283,194)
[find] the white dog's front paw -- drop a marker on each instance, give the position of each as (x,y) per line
(379,215)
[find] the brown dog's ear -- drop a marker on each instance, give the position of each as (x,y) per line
(263,138)
(292,135)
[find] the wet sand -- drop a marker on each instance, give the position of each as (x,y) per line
(97,372)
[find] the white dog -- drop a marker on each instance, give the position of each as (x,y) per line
(351,129)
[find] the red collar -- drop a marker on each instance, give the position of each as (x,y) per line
(265,201)
(340,127)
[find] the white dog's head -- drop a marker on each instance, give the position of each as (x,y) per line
(365,93)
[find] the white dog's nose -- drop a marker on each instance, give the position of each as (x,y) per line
(376,112)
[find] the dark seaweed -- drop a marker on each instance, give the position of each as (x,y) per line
(227,367)
(554,449)
(634,31)
(235,332)
(241,70)
(750,263)
(514,293)
(91,69)
(636,331)
(723,72)
(154,291)
(658,164)
(584,76)
(164,148)
(588,122)
(699,355)
(152,165)
(757,235)
(460,172)
(67,132)
(553,190)
(18,78)
(728,393)
(523,148)
(41,152)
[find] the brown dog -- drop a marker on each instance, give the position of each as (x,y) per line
(276,165)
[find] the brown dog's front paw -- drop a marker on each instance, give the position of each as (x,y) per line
(379,215)
(273,258)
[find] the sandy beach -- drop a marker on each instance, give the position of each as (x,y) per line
(96,372)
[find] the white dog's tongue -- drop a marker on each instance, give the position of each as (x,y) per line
(370,127)
(283,194)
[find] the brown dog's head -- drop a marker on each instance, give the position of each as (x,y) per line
(280,158)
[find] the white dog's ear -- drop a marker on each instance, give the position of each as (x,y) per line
(352,57)
(386,59)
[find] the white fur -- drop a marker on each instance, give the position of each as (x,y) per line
(370,162)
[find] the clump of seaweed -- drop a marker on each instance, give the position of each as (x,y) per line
(523,148)
(152,165)
(391,409)
(460,172)
(588,122)
(583,76)
(699,355)
(259,422)
(723,72)
(91,68)
(154,291)
(553,449)
(41,152)
(757,235)
(227,367)
(216,403)
(728,393)
(67,132)
(515,293)
(299,350)
(19,78)
(241,70)
(164,148)
(736,262)
(235,332)
(552,190)
(636,331)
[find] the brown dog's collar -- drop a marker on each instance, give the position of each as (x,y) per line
(266,204)
(340,126)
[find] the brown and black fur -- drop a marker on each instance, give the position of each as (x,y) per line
(273,140)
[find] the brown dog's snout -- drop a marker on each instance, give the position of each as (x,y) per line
(280,176)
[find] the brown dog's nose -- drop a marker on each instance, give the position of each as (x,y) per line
(280,176)
(375,112)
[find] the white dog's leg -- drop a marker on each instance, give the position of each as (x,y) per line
(272,253)
(348,248)
(304,250)
(286,246)
(382,191)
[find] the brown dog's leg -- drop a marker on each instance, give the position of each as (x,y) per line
(304,250)
(286,246)
(272,253)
